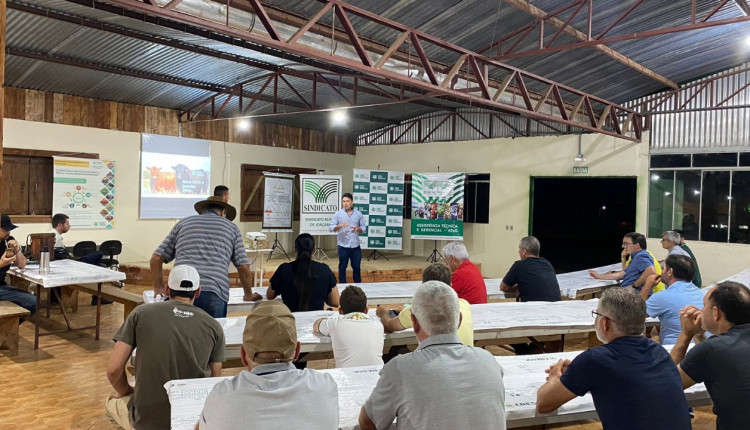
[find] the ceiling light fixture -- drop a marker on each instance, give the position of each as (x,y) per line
(243,125)
(579,158)
(339,117)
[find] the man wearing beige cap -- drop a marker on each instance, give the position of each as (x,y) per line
(175,340)
(270,392)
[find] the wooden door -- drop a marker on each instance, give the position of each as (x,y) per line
(15,183)
(40,185)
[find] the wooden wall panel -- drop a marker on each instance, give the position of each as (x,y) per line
(35,105)
(56,108)
(15,103)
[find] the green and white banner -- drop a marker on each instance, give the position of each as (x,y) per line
(379,195)
(321,198)
(437,206)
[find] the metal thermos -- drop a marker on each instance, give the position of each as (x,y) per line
(44,261)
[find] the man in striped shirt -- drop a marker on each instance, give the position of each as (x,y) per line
(209,242)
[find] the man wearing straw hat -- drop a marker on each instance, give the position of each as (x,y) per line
(208,241)
(270,392)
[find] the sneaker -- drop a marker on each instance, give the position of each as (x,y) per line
(104,301)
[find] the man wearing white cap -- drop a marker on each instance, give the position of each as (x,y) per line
(175,340)
(270,392)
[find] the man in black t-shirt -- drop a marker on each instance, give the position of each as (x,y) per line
(720,361)
(532,277)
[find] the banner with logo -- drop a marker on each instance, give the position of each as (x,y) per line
(437,206)
(84,190)
(277,202)
(379,195)
(321,198)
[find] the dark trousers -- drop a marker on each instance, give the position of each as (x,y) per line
(212,304)
(345,255)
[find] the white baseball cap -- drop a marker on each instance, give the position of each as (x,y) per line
(184,278)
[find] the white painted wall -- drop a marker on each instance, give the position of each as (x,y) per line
(141,237)
(510,162)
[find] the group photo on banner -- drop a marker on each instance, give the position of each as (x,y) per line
(437,205)
(379,195)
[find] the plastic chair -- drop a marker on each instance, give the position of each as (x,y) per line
(84,248)
(111,249)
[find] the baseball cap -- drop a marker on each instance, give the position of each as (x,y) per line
(271,327)
(184,278)
(5,223)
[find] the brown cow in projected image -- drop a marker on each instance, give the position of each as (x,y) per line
(162,182)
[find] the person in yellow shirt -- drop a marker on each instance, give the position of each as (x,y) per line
(433,272)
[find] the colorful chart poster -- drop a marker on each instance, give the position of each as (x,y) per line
(437,206)
(321,198)
(84,190)
(278,202)
(379,195)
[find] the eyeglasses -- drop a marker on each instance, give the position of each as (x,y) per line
(627,243)
(595,313)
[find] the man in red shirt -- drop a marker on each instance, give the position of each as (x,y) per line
(466,278)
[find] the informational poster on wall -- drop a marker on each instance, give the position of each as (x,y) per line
(278,202)
(437,206)
(321,198)
(175,174)
(84,190)
(379,195)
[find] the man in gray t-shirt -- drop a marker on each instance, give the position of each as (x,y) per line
(175,340)
(270,392)
(412,387)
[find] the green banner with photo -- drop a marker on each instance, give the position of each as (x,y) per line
(437,206)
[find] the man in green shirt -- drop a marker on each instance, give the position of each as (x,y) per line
(697,281)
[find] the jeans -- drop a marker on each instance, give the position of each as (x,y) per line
(353,254)
(21,298)
(212,304)
(93,258)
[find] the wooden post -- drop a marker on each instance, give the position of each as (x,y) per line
(2,77)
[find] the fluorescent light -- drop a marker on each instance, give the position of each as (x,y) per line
(243,125)
(655,177)
(339,117)
(667,193)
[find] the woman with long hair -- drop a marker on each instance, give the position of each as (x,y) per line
(304,284)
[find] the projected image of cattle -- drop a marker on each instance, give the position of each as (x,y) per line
(189,181)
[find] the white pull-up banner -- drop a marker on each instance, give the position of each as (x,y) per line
(321,198)
(277,202)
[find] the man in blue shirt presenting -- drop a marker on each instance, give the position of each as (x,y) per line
(348,223)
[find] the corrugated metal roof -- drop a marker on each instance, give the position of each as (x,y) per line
(471,24)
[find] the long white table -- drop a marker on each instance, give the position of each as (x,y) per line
(523,375)
(62,273)
(579,284)
(741,277)
(492,321)
(573,285)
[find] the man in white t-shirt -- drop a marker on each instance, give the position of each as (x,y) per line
(357,339)
(270,392)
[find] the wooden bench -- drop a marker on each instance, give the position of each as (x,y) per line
(9,321)
(128,299)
